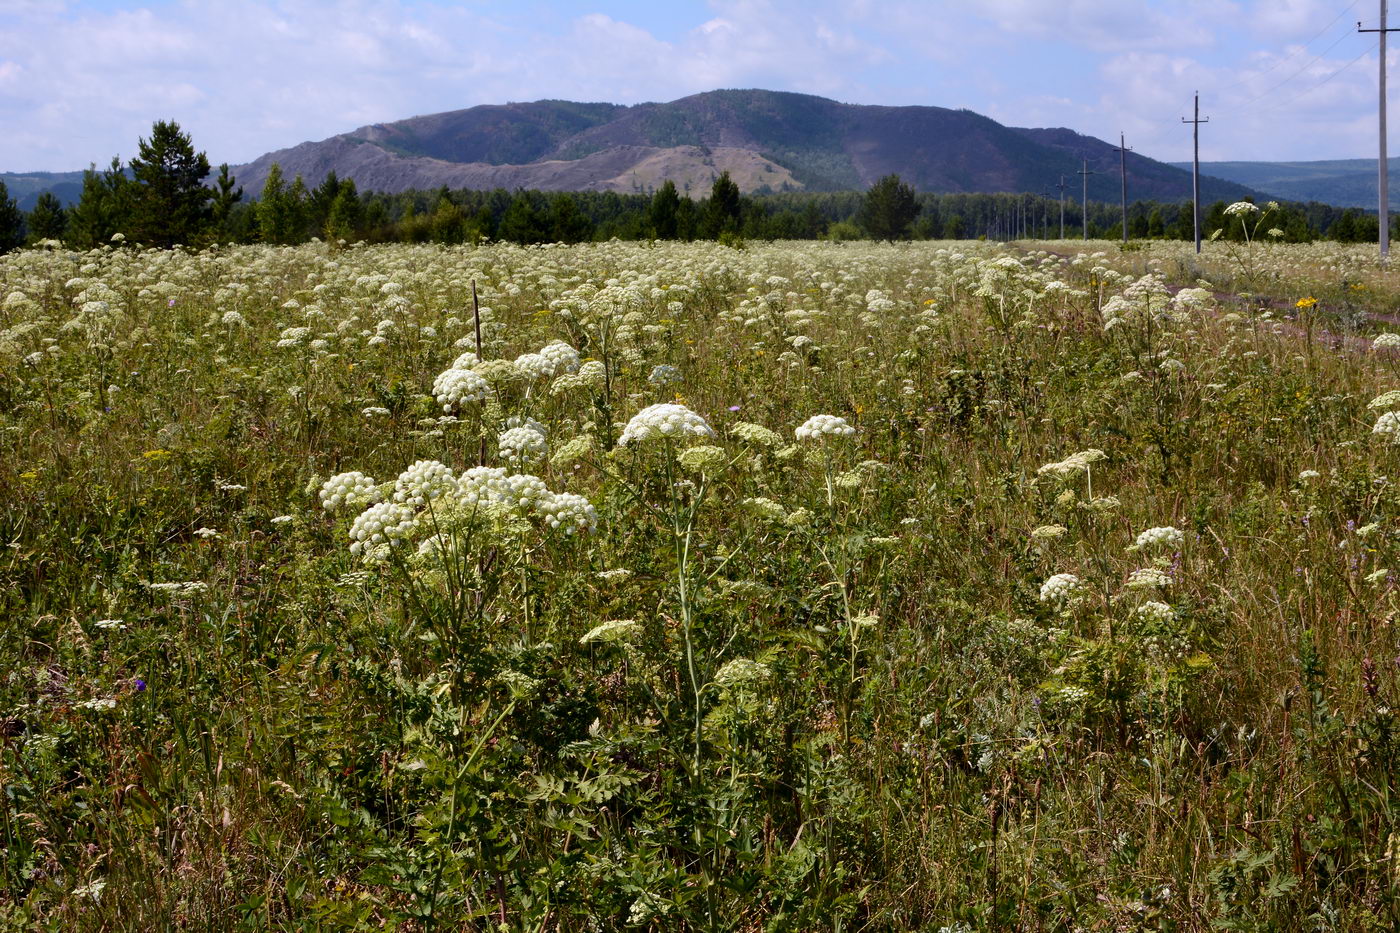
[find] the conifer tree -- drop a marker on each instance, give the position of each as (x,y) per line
(11,221)
(48,219)
(170,204)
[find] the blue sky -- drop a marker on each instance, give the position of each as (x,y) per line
(1280,79)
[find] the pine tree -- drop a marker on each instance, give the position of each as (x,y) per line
(103,209)
(724,208)
(170,203)
(225,197)
(664,206)
(11,221)
(281,209)
(890,207)
(48,219)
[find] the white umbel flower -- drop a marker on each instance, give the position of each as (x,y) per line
(523,443)
(1148,578)
(1155,611)
(383,523)
(452,387)
(1388,425)
(819,427)
(1386,342)
(424,481)
(562,357)
(534,366)
(664,374)
(523,490)
(1165,537)
(1241,208)
(664,420)
(482,485)
(353,490)
(568,512)
(1061,589)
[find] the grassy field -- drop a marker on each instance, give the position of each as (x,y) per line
(321,610)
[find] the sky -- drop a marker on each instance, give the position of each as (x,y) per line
(1280,80)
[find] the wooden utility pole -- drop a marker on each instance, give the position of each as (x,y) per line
(1085,173)
(1196,122)
(1383,168)
(1123,170)
(1062,186)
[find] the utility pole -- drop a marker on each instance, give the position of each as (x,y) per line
(1062,186)
(1383,169)
(1196,122)
(1085,173)
(1123,151)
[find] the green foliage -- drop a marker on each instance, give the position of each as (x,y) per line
(48,220)
(11,221)
(889,209)
(169,202)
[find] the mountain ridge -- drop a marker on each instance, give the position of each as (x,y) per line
(768,140)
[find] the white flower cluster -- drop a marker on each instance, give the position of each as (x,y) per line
(385,523)
(1148,578)
(424,481)
(1241,208)
(1386,342)
(534,366)
(1154,611)
(664,374)
(1166,536)
(454,386)
(1388,425)
(562,357)
(664,420)
(1061,589)
(1074,463)
(818,427)
(613,631)
(526,442)
(567,511)
(173,590)
(351,490)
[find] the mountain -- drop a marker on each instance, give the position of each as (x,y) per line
(1343,182)
(767,140)
(25,187)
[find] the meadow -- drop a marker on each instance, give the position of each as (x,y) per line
(849,586)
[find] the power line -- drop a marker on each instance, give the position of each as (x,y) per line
(1295,74)
(1303,48)
(1321,83)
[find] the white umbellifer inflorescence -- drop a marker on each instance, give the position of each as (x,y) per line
(567,511)
(452,387)
(351,490)
(818,427)
(1060,589)
(1388,425)
(561,356)
(534,366)
(384,523)
(522,490)
(664,374)
(424,481)
(1386,342)
(526,442)
(1166,536)
(1154,611)
(664,420)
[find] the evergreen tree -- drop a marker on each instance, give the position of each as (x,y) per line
(48,219)
(170,203)
(103,208)
(280,217)
(346,216)
(664,206)
(890,207)
(225,197)
(567,225)
(522,221)
(11,221)
(723,211)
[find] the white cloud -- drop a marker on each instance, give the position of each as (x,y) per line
(79,84)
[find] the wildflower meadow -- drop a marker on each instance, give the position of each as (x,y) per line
(678,586)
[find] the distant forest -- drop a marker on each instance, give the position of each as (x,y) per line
(163,198)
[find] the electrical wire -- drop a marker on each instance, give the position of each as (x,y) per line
(1300,51)
(1374,46)
(1295,74)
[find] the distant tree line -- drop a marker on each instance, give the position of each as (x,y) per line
(165,196)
